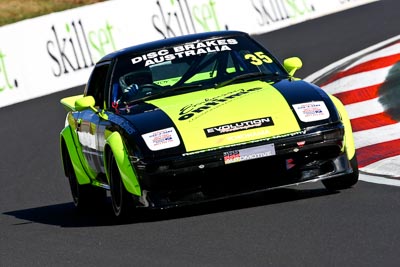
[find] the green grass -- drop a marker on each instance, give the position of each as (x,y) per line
(16,10)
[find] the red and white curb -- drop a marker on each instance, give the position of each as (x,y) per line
(365,87)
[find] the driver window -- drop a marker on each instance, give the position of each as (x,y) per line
(97,84)
(131,83)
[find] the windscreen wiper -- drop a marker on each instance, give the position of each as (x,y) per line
(186,86)
(162,93)
(254,75)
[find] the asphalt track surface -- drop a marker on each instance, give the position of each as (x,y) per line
(304,226)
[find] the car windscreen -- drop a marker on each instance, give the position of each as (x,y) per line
(192,66)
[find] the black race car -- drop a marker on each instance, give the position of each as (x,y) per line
(200,117)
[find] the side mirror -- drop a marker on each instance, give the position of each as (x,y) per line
(292,64)
(89,102)
(84,103)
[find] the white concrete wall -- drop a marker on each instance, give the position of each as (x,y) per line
(55,52)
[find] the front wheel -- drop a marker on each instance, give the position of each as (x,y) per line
(122,201)
(83,196)
(345,181)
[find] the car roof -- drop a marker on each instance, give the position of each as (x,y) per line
(169,42)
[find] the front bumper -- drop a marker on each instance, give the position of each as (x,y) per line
(309,156)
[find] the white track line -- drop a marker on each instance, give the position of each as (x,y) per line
(357,81)
(377,135)
(328,68)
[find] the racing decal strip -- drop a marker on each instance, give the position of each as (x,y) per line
(369,93)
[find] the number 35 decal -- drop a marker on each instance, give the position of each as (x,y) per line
(258,58)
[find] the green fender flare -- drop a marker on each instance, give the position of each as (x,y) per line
(81,175)
(348,135)
(128,175)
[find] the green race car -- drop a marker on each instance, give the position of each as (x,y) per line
(197,118)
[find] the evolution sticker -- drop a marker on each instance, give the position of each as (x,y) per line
(161,139)
(238,126)
(311,111)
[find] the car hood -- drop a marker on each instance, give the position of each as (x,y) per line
(229,115)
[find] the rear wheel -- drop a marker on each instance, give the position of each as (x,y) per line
(83,196)
(122,201)
(345,181)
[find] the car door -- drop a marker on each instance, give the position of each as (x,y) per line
(90,124)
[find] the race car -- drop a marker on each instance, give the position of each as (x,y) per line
(197,118)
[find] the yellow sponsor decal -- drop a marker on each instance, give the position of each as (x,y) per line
(233,114)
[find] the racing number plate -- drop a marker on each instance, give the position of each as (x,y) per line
(235,156)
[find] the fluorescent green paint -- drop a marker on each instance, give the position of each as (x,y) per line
(81,175)
(292,64)
(69,102)
(348,135)
(228,105)
(128,175)
(85,102)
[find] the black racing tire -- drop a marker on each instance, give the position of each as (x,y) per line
(345,181)
(83,196)
(122,201)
